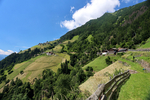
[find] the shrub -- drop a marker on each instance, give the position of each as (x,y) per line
(21,72)
(108,61)
(89,69)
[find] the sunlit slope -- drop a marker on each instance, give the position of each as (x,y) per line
(41,46)
(59,47)
(146,45)
(33,68)
(137,87)
(97,64)
(100,77)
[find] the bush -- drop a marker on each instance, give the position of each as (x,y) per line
(143,42)
(89,73)
(21,72)
(120,54)
(108,61)
(89,69)
(10,72)
(7,81)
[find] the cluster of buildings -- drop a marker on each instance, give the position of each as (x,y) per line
(112,51)
(50,53)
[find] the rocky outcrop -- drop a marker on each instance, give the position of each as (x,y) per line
(143,63)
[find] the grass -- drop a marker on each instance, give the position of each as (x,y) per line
(58,48)
(34,67)
(75,37)
(97,64)
(137,87)
(138,55)
(100,77)
(147,44)
(100,63)
(19,67)
(89,38)
(39,46)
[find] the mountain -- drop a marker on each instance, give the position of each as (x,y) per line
(56,69)
(123,28)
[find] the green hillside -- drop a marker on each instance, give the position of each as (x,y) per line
(146,45)
(100,62)
(76,66)
(137,87)
(34,67)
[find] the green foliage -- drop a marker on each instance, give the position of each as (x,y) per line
(21,72)
(20,97)
(148,96)
(137,86)
(89,73)
(117,71)
(120,54)
(7,81)
(109,31)
(17,91)
(89,69)
(2,78)
(108,60)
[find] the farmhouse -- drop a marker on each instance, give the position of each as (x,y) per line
(122,49)
(49,53)
(104,52)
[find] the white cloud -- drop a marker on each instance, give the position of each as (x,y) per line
(126,1)
(71,10)
(8,52)
(92,10)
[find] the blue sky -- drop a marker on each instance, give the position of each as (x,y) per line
(25,23)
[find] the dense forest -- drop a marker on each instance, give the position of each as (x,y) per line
(125,28)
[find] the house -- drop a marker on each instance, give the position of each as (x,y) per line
(122,49)
(113,51)
(105,52)
(49,53)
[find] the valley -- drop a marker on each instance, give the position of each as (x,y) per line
(74,66)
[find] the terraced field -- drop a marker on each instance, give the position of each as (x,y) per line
(100,77)
(33,68)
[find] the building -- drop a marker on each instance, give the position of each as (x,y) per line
(49,53)
(122,49)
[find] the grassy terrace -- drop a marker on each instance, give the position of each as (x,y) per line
(100,63)
(137,87)
(97,64)
(147,44)
(100,68)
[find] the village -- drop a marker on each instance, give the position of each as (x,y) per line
(112,51)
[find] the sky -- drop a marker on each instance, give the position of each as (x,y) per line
(25,23)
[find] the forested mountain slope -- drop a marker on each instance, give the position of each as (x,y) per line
(123,28)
